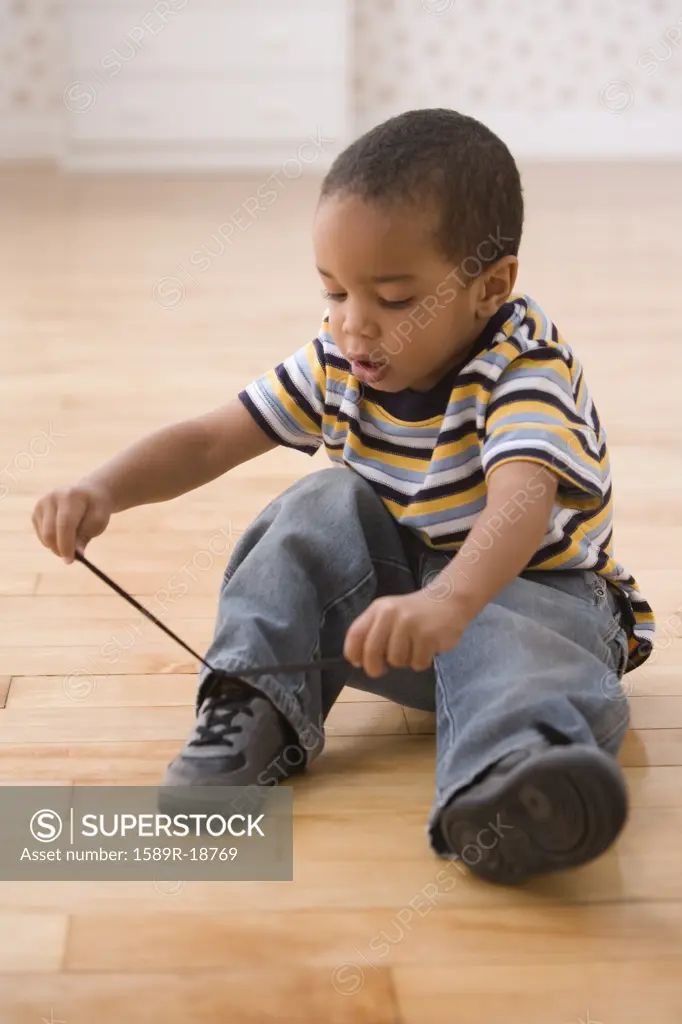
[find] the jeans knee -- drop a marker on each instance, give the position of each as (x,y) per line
(336,477)
(328,486)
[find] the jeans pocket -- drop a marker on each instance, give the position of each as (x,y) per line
(619,648)
(599,590)
(611,627)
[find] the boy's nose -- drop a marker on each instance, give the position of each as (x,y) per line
(360,343)
(358,327)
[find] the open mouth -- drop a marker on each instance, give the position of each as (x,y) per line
(368,371)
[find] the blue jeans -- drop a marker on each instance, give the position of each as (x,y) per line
(546,656)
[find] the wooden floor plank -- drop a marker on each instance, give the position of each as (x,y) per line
(628,877)
(81,609)
(420,932)
(650,759)
(32,942)
(121,691)
(299,996)
(107,635)
(112,724)
(18,582)
(140,583)
(591,991)
(144,658)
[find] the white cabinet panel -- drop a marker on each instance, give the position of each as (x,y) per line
(197,110)
(207,80)
(207,38)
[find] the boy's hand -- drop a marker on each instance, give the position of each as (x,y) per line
(410,630)
(406,631)
(67,519)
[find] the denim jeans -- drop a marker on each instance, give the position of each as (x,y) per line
(545,656)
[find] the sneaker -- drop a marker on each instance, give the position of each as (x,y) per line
(238,740)
(540,810)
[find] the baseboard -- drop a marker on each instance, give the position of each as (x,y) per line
(271,157)
(29,137)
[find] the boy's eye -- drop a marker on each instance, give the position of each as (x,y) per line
(388,303)
(396,303)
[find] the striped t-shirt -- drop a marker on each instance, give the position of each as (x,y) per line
(520,394)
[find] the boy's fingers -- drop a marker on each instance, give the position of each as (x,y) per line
(37,521)
(421,656)
(47,530)
(399,648)
(67,517)
(376,643)
(355,638)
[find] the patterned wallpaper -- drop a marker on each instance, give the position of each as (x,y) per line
(30,51)
(529,56)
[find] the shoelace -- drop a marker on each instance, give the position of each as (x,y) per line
(271,670)
(218,725)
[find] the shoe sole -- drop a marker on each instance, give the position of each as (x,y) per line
(174,800)
(556,810)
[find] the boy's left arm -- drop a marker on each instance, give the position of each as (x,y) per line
(409,630)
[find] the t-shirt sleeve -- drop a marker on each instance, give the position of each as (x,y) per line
(536,414)
(287,402)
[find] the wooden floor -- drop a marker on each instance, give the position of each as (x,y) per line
(99,346)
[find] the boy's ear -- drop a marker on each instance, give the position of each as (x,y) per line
(496,285)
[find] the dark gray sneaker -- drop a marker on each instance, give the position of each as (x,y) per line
(537,811)
(238,740)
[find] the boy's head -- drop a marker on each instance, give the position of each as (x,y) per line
(416,238)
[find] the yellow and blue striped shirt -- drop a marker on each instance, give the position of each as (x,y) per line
(520,394)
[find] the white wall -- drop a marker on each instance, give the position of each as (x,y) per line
(222,83)
(555,78)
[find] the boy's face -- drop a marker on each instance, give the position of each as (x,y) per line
(400,312)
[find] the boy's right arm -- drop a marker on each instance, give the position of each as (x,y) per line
(163,465)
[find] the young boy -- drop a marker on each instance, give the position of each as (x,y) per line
(459,554)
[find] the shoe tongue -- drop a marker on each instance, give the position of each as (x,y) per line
(230,691)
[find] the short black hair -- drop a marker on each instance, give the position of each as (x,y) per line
(441,156)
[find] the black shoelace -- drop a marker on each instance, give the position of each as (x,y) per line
(221,708)
(279,669)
